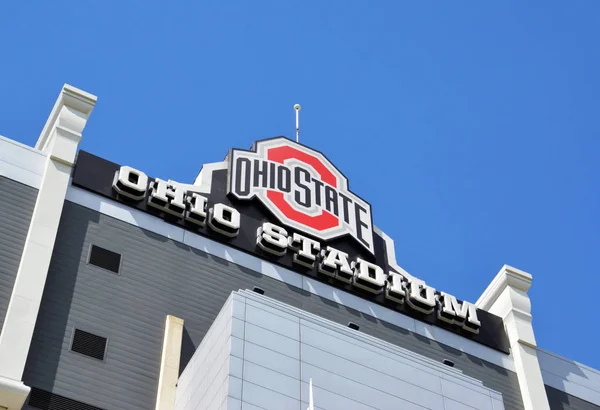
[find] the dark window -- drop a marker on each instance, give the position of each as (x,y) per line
(89,344)
(45,400)
(105,259)
(448,362)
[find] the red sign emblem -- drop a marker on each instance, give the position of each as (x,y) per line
(302,189)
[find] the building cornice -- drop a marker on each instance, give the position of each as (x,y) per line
(508,276)
(68,119)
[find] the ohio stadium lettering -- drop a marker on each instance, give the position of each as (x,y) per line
(178,200)
(367,276)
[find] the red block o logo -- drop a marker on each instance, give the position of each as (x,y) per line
(321,222)
(301,188)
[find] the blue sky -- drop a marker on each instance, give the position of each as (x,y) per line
(472,128)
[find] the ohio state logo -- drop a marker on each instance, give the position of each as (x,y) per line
(302,189)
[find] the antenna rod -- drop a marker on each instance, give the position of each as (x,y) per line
(297,108)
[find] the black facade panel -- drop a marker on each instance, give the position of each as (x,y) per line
(159,277)
(559,400)
(16,207)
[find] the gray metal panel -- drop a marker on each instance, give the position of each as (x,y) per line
(160,277)
(16,207)
(492,376)
(560,400)
(208,388)
(348,369)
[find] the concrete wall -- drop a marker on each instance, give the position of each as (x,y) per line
(16,206)
(281,348)
(158,277)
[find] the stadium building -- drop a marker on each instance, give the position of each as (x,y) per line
(263,284)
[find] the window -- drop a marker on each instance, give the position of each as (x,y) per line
(89,344)
(105,259)
(41,399)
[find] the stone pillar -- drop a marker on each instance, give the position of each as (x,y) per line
(169,363)
(59,141)
(506,296)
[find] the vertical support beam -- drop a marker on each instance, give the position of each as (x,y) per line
(59,141)
(506,296)
(169,363)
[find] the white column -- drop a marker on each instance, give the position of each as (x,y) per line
(169,363)
(507,297)
(59,141)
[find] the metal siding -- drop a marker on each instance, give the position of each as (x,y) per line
(280,348)
(493,376)
(16,207)
(160,277)
(560,400)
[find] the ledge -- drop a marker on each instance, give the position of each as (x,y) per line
(73,98)
(507,277)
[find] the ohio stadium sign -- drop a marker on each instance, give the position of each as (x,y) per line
(287,203)
(302,189)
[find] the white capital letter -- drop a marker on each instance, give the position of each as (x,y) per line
(395,289)
(196,213)
(224,220)
(464,315)
(306,250)
(272,238)
(167,196)
(368,276)
(130,183)
(335,264)
(422,297)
